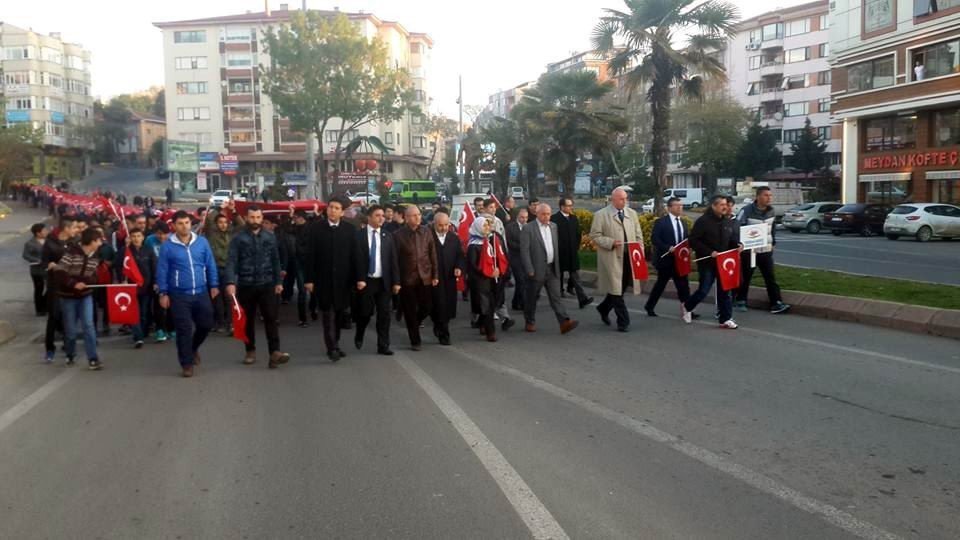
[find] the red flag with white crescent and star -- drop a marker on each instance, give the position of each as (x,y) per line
(463,231)
(637,261)
(130,269)
(728,269)
(239,322)
(681,259)
(122,304)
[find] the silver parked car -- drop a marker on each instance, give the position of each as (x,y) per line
(808,217)
(923,221)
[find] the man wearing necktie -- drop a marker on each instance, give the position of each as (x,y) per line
(613,228)
(668,231)
(378,279)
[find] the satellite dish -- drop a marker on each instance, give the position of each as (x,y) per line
(778,116)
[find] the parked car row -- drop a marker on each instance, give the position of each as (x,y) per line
(922,221)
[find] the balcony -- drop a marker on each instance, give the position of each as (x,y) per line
(771,94)
(774,67)
(772,120)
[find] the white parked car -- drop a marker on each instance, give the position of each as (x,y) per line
(365,198)
(923,221)
(517,192)
(220,197)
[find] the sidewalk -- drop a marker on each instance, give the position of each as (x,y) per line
(16,289)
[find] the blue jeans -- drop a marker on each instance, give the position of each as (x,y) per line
(192,319)
(708,274)
(78,315)
(145,302)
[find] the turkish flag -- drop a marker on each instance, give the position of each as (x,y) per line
(463,227)
(681,259)
(130,269)
(728,269)
(239,322)
(122,305)
(637,261)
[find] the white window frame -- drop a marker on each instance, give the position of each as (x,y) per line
(806,55)
(188,114)
(789,109)
(179,35)
(796,27)
(190,62)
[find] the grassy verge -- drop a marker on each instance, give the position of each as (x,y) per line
(841,284)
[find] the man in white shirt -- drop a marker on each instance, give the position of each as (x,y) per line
(378,279)
(538,251)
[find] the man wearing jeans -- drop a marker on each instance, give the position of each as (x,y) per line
(710,237)
(75,272)
(54,248)
(187,281)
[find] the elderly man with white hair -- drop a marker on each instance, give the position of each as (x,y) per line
(613,228)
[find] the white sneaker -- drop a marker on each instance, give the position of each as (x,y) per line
(729,325)
(687,316)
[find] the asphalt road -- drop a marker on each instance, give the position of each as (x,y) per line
(788,428)
(123,180)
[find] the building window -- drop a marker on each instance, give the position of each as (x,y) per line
(20,104)
(190,36)
(191,62)
(795,109)
(800,26)
(416,48)
(331,135)
(946,128)
(878,15)
(51,55)
(755,62)
(823,105)
(20,77)
(929,7)
(239,35)
(824,133)
(241,113)
(753,88)
(890,133)
(773,31)
(416,119)
(419,142)
(937,60)
(419,95)
(870,74)
(797,55)
(240,86)
(193,113)
(824,24)
(824,78)
(792,135)
(191,88)
(794,81)
(388,138)
(199,138)
(74,62)
(824,50)
(290,136)
(239,60)
(21,52)
(242,137)
(777,134)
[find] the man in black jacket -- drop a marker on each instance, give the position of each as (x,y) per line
(330,273)
(253,279)
(514,230)
(451,264)
(378,279)
(296,265)
(54,248)
(568,231)
(712,235)
(760,212)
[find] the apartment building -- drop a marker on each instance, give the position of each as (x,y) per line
(778,67)
(583,61)
(142,132)
(214,98)
(896,93)
(46,83)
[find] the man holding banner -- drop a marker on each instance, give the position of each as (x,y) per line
(718,259)
(75,274)
(760,213)
(671,250)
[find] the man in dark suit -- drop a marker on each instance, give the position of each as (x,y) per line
(378,279)
(539,251)
(568,228)
(668,231)
(451,265)
(330,274)
(514,230)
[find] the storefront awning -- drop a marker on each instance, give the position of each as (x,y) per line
(886,177)
(943,175)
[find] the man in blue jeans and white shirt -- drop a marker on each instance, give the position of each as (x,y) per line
(187,281)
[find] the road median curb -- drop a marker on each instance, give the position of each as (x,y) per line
(7,332)
(906,317)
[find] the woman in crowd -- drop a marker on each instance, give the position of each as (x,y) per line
(487,265)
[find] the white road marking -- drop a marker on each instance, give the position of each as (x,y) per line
(824,344)
(534,514)
(17,411)
(756,480)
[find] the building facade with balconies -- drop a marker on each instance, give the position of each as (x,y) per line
(778,67)
(896,91)
(46,84)
(214,98)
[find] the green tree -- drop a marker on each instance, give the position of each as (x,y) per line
(437,129)
(652,61)
(156,151)
(19,144)
(323,69)
(110,128)
(809,151)
(560,111)
(160,104)
(504,135)
(713,132)
(758,153)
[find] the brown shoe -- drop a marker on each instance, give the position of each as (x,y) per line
(530,327)
(196,358)
(491,337)
(277,359)
(568,326)
(187,372)
(250,358)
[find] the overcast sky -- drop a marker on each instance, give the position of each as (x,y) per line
(494,44)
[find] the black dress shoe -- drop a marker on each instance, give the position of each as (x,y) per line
(358,343)
(314,315)
(416,347)
(622,328)
(445,340)
(508,324)
(605,317)
(586,302)
(340,353)
(334,356)
(650,312)
(385,352)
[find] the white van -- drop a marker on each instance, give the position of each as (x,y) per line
(690,197)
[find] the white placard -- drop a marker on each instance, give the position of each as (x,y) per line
(754,236)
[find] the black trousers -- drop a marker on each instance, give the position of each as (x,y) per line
(573,283)
(665,273)
(615,302)
(39,298)
(374,298)
(221,306)
(520,284)
(264,299)
(331,319)
(415,302)
(765,264)
(54,321)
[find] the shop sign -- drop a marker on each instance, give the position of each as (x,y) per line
(919,159)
